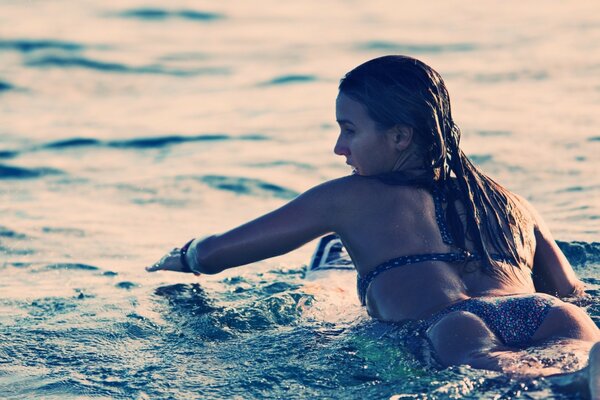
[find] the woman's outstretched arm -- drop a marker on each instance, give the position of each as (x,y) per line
(552,272)
(305,218)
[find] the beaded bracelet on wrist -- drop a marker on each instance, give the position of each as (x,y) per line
(182,257)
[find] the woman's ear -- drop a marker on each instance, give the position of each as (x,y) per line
(401,136)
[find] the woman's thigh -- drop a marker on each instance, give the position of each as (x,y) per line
(461,337)
(568,321)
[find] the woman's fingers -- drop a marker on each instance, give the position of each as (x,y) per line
(170,262)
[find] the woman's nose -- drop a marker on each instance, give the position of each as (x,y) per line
(340,148)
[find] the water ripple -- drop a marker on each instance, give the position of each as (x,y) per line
(9,233)
(114,67)
(581,253)
(248,186)
(8,153)
(28,46)
(281,163)
(289,79)
(493,133)
(409,48)
(156,14)
(512,76)
(137,143)
(481,158)
(5,86)
(10,172)
(74,142)
(162,141)
(72,266)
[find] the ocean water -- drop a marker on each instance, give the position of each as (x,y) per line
(128,127)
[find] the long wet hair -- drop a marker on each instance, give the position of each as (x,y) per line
(400,90)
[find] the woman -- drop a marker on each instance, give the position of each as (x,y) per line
(432,237)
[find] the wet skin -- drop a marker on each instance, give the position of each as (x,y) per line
(378,222)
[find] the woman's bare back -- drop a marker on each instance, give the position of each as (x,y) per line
(386,222)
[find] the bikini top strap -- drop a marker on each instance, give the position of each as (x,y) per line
(439,198)
(364,282)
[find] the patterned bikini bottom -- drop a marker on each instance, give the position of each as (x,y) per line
(513,319)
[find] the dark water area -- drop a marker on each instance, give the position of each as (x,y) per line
(31,45)
(259,334)
(10,172)
(158,14)
(409,48)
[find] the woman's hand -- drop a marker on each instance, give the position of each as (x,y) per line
(579,292)
(170,262)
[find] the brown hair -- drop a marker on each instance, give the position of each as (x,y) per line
(400,90)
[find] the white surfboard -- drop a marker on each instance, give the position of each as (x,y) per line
(331,278)
(330,254)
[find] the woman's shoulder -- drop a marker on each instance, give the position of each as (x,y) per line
(354,187)
(339,193)
(527,208)
(346,185)
(353,197)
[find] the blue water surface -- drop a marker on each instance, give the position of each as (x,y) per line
(129,127)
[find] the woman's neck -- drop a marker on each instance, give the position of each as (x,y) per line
(410,163)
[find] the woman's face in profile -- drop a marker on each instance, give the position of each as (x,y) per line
(367,150)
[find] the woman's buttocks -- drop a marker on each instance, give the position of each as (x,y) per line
(414,291)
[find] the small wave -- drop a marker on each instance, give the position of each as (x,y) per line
(64,386)
(72,266)
(137,143)
(21,264)
(186,297)
(581,253)
(253,137)
(5,86)
(126,285)
(162,141)
(154,14)
(512,76)
(480,158)
(65,231)
(289,79)
(8,153)
(9,233)
(493,133)
(27,46)
(278,287)
(280,163)
(15,251)
(9,172)
(280,309)
(48,307)
(594,139)
(391,47)
(248,186)
(579,188)
(81,62)
(75,142)
(160,201)
(148,142)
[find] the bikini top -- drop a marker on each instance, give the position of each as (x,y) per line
(452,257)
